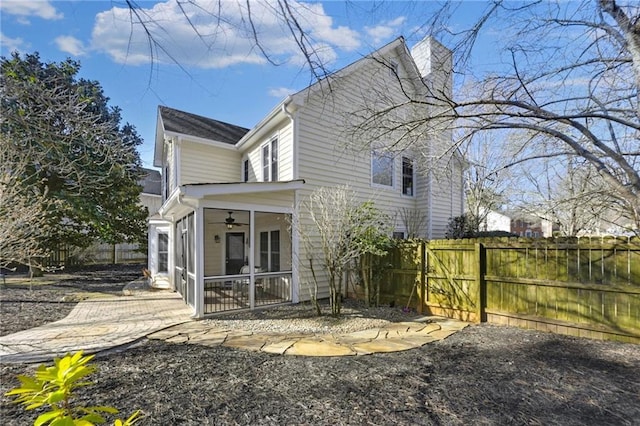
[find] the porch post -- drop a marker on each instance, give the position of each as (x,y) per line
(252,269)
(199,262)
(295,252)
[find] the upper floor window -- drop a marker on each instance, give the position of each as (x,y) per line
(245,171)
(165,175)
(408,178)
(381,169)
(270,161)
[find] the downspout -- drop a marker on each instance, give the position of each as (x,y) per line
(294,142)
(295,239)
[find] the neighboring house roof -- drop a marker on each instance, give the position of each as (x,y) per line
(151,182)
(186,123)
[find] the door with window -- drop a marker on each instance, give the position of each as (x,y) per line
(234,257)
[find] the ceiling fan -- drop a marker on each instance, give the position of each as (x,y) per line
(230,222)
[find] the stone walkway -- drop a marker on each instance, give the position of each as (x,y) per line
(108,323)
(392,338)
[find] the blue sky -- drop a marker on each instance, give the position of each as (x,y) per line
(225,77)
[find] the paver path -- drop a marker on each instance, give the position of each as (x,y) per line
(96,325)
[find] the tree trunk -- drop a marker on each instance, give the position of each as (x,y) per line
(366,283)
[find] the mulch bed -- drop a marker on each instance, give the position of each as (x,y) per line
(484,374)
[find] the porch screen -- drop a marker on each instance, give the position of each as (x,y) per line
(270,251)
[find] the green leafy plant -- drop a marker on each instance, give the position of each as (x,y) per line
(54,386)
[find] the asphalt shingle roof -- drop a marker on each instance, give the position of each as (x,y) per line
(195,125)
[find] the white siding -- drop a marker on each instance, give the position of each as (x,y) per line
(201,163)
(332,153)
(283,130)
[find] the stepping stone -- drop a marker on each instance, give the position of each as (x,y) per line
(418,341)
(386,345)
(318,347)
(278,348)
(249,342)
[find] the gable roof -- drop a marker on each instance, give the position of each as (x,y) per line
(185,123)
(378,53)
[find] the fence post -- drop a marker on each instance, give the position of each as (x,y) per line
(423,276)
(481,262)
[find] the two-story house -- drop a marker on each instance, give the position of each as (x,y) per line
(223,237)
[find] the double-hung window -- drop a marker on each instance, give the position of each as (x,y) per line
(382,169)
(270,161)
(163,252)
(245,171)
(408,177)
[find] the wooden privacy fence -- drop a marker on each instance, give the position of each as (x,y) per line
(583,287)
(96,254)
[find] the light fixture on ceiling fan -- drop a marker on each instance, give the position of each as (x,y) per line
(230,222)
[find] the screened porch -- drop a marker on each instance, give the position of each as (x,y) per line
(246,265)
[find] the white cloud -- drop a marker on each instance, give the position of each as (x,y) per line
(217,41)
(281,92)
(71,45)
(12,44)
(30,8)
(385,29)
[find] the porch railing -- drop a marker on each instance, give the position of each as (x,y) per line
(233,292)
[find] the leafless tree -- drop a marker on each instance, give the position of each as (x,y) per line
(487,181)
(336,228)
(563,71)
(574,78)
(569,194)
(414,221)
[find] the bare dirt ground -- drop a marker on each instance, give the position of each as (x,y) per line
(482,375)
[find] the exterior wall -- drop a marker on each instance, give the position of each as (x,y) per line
(170,162)
(283,130)
(201,163)
(152,202)
(497,222)
(331,153)
(447,200)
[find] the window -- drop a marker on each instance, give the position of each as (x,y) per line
(245,171)
(408,180)
(163,252)
(270,161)
(165,172)
(270,251)
(381,169)
(398,235)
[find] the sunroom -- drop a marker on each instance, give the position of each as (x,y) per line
(227,246)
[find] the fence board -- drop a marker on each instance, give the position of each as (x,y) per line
(577,286)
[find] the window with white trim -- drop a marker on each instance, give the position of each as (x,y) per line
(245,171)
(408,177)
(382,169)
(270,161)
(163,252)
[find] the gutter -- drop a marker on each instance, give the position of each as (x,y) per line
(281,107)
